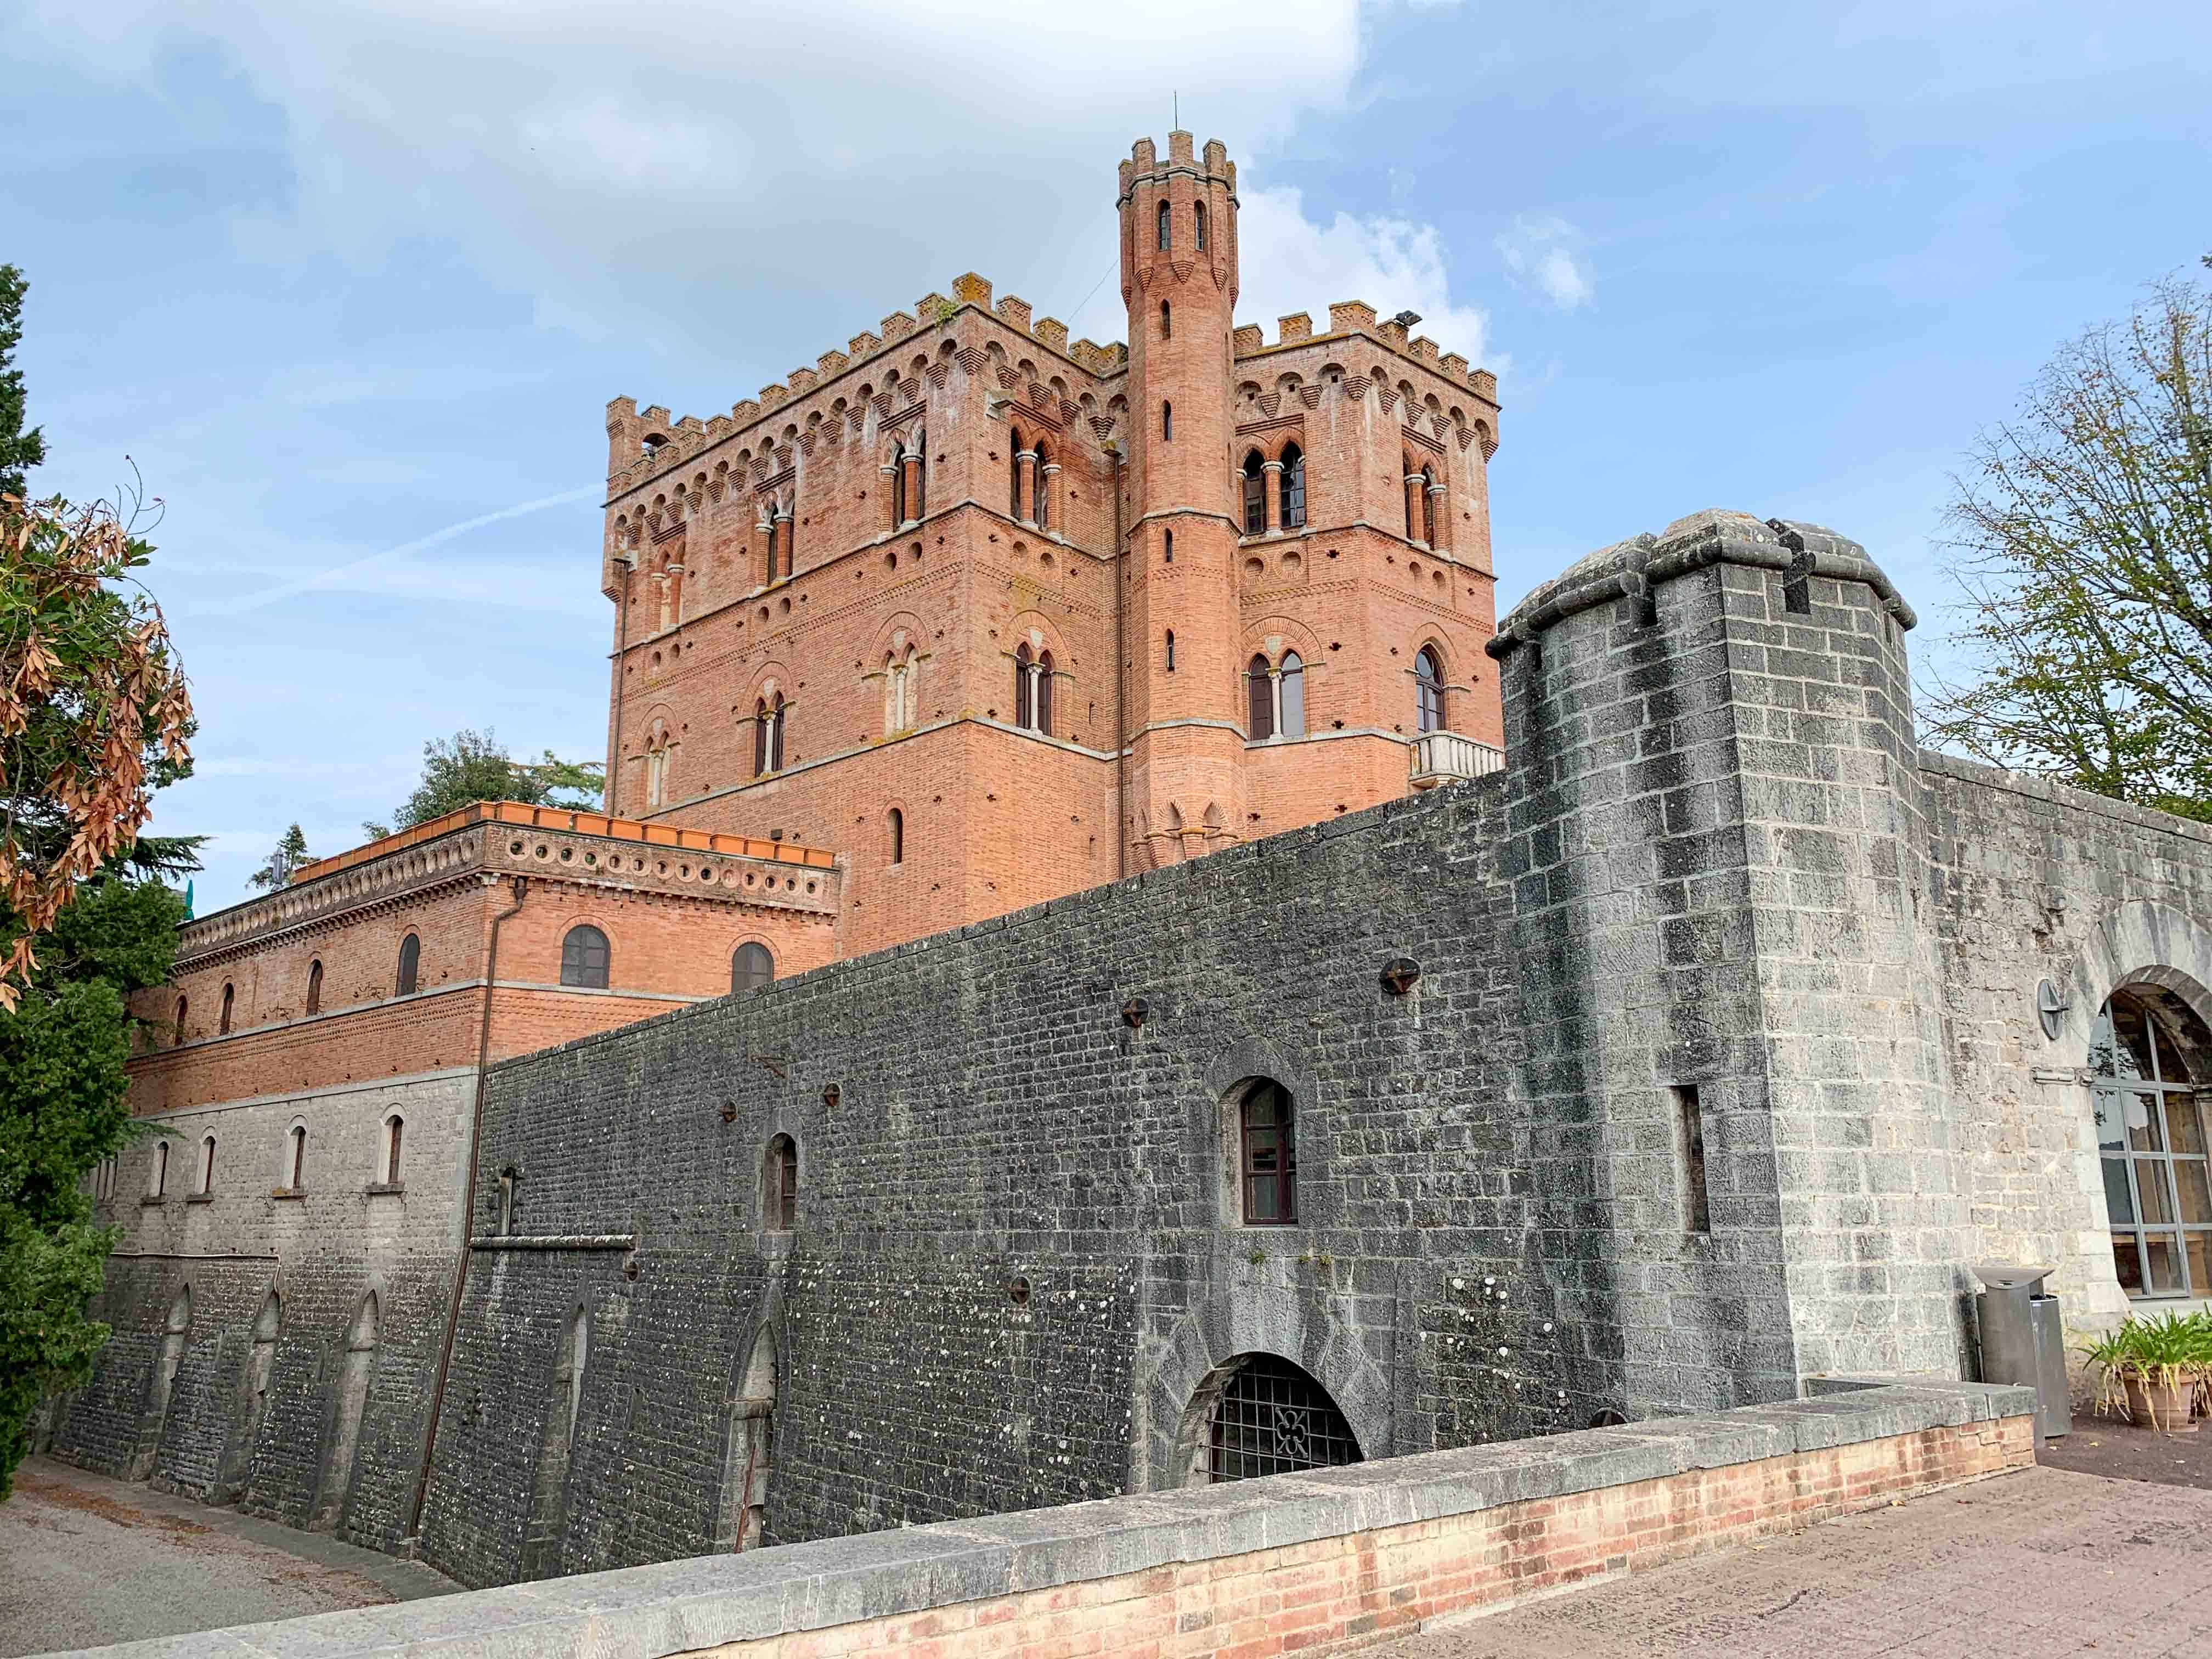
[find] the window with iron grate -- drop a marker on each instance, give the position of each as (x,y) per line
(1273,1418)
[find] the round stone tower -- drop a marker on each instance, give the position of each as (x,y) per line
(1184,719)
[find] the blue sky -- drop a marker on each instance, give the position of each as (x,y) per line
(342,278)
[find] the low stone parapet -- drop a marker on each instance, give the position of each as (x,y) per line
(1296,1562)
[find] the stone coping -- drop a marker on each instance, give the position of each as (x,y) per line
(682,1607)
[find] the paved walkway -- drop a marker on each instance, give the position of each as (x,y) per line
(85,1560)
(2039,1563)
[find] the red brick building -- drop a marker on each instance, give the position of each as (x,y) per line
(998,616)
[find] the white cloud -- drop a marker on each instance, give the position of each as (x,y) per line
(671,172)
(1291,263)
(1540,253)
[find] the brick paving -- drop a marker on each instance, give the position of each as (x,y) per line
(2040,1563)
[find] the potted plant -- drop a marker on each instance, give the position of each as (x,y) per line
(2155,1366)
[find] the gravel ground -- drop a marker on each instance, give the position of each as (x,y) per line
(85,1560)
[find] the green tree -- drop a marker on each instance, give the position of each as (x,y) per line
(63,1108)
(278,869)
(18,449)
(2086,527)
(474,766)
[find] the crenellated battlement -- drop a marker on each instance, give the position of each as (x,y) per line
(660,442)
(1348,318)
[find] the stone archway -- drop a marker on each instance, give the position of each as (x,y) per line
(1258,1414)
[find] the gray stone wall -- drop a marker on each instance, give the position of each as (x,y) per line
(252,1414)
(996,1119)
(2032,882)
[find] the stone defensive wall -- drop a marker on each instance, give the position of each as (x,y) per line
(1319,1562)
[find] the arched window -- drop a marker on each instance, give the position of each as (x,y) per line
(1042,489)
(315,987)
(1014,479)
(779,1185)
(1428,520)
(1270,1417)
(223,1020)
(1267,1159)
(159,1185)
(1167,546)
(1166,229)
(1025,688)
(751,967)
(1171,651)
(768,734)
(1198,225)
(1291,695)
(1294,487)
(1259,698)
(410,963)
(1167,423)
(1167,322)
(2147,1054)
(181,1006)
(295,1161)
(1416,509)
(901,701)
(395,1128)
(898,837)
(584,958)
(1044,693)
(207,1164)
(1255,494)
(1428,691)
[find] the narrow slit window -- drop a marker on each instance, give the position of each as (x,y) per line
(1167,322)
(1294,487)
(314,987)
(296,1165)
(182,1006)
(1167,423)
(1171,651)
(1167,547)
(1255,494)
(222,1021)
(898,837)
(1166,228)
(207,1165)
(1260,702)
(394,1129)
(410,963)
(1690,1139)
(779,1185)
(1198,226)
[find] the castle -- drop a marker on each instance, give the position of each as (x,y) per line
(1685,1044)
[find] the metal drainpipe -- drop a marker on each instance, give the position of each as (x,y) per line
(521,886)
(1121,682)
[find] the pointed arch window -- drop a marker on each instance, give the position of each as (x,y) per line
(1294,487)
(315,987)
(751,967)
(584,958)
(1198,226)
(1042,488)
(1428,505)
(1025,688)
(1291,695)
(1014,479)
(1428,691)
(222,1020)
(1259,698)
(1255,494)
(1043,700)
(768,734)
(1166,228)
(410,965)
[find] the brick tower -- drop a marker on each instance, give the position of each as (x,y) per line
(1182,724)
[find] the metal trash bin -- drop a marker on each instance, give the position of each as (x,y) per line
(2023,1341)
